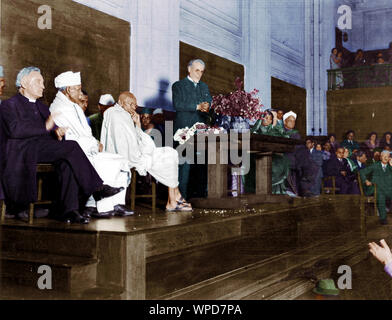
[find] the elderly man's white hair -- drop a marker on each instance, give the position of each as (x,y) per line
(23,73)
(196,60)
(386,151)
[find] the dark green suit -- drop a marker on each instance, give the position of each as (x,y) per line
(383,180)
(96,125)
(186,97)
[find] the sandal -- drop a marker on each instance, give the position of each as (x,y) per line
(182,201)
(180,208)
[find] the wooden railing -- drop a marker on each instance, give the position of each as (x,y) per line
(360,77)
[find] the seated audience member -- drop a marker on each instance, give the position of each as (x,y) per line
(386,140)
(351,162)
(371,143)
(375,157)
(112,168)
(326,151)
(333,142)
(83,103)
(319,147)
(2,81)
(359,59)
(32,137)
(349,141)
(280,115)
(361,159)
(317,157)
(105,102)
(379,59)
(268,125)
(379,173)
(340,169)
(122,133)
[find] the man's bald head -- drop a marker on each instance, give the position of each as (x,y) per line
(128,101)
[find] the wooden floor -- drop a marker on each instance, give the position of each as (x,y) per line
(247,253)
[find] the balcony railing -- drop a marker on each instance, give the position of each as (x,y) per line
(360,77)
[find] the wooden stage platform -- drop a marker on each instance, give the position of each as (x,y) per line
(249,253)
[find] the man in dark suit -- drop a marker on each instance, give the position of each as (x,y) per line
(191,100)
(317,158)
(340,169)
(32,137)
(361,159)
(380,173)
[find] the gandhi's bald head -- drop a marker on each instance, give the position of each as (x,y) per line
(127,101)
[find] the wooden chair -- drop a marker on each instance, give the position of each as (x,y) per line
(329,190)
(134,196)
(368,199)
(42,168)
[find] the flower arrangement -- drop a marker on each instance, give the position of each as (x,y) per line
(183,135)
(238,103)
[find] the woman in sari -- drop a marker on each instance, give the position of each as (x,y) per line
(280,164)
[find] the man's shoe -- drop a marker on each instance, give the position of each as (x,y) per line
(75,217)
(22,215)
(89,211)
(384,221)
(102,215)
(122,211)
(105,192)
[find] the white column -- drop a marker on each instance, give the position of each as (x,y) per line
(154,47)
(309,66)
(257,48)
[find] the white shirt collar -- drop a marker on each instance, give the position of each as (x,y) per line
(190,79)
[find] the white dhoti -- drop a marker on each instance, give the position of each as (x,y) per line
(119,135)
(112,168)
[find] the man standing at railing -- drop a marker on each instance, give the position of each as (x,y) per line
(381,173)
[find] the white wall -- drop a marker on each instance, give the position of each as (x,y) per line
(286,39)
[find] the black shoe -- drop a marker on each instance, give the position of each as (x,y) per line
(122,211)
(75,217)
(22,215)
(102,215)
(89,211)
(384,221)
(106,191)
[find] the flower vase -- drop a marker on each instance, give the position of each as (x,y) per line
(224,122)
(240,125)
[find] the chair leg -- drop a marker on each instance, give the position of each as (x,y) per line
(154,196)
(31,213)
(3,209)
(133,190)
(39,189)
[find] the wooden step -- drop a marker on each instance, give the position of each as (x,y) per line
(224,285)
(48,241)
(69,274)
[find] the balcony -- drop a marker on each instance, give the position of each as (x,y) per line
(361,77)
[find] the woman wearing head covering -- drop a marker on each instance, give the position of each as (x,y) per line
(334,144)
(386,140)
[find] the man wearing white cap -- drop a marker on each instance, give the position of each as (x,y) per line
(303,170)
(32,137)
(289,119)
(105,102)
(112,168)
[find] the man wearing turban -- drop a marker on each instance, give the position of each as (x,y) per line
(112,168)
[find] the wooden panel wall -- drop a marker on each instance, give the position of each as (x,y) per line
(220,73)
(81,39)
(362,110)
(286,97)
